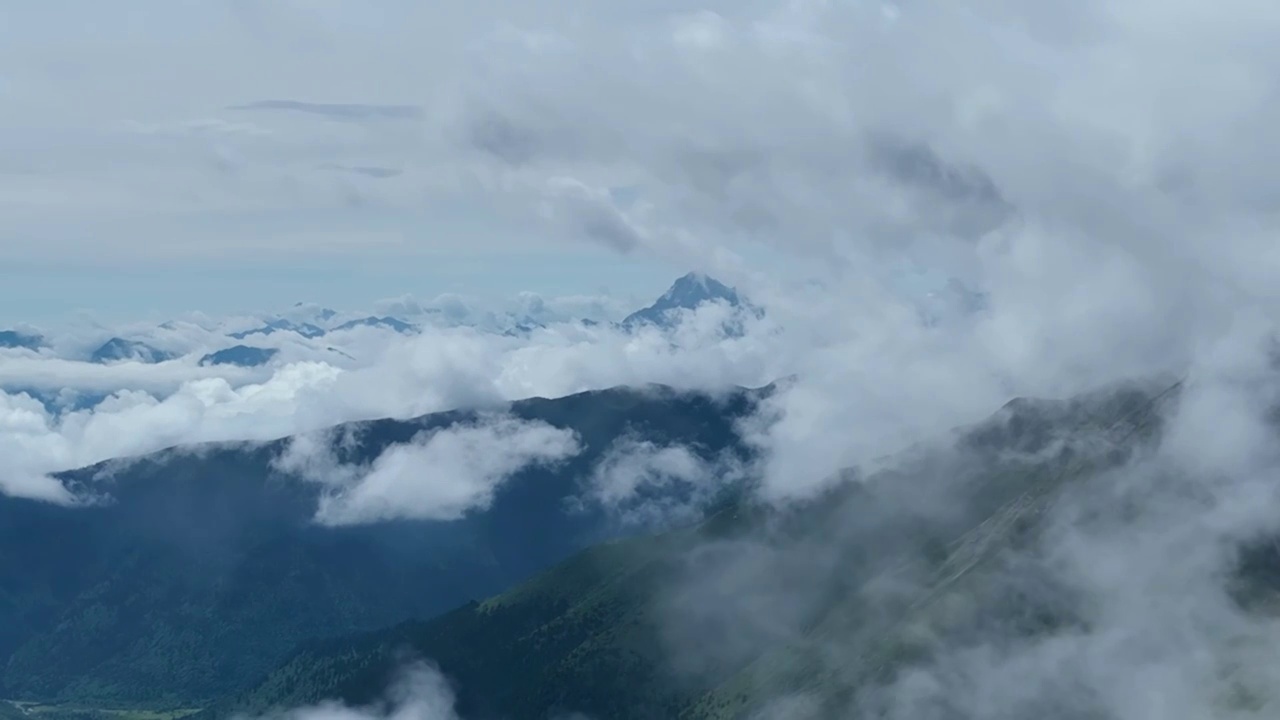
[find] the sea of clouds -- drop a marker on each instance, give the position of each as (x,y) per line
(1101,170)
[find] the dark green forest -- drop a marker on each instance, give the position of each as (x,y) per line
(204,570)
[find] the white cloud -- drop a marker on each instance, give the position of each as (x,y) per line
(129,422)
(643,483)
(48,373)
(441,474)
(632,465)
(1145,557)
(156,406)
(25,428)
(1122,604)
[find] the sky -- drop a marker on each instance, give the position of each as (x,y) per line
(136,173)
(236,156)
(48,295)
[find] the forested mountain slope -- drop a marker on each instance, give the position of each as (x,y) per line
(814,604)
(206,568)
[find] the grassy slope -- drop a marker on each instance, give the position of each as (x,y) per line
(583,637)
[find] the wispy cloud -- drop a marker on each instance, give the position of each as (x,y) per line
(646,484)
(337,111)
(439,475)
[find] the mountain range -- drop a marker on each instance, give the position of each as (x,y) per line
(306,330)
(388,322)
(207,581)
(199,577)
(758,611)
(687,293)
(194,571)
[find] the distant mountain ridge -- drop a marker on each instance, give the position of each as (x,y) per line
(687,293)
(240,356)
(385,321)
(306,330)
(14,339)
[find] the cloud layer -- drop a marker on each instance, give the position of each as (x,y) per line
(646,484)
(439,475)
(151,407)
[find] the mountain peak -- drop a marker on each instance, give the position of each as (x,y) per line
(699,287)
(695,278)
(688,292)
(119,349)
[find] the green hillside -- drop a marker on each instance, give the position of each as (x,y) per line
(659,627)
